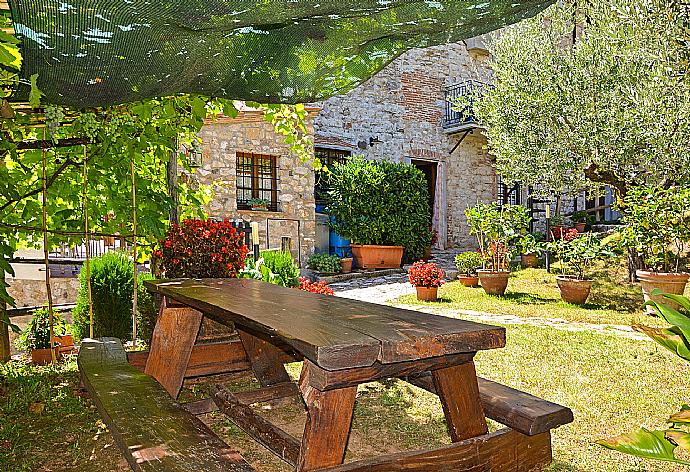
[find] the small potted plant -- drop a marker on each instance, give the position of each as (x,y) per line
(426,277)
(325,264)
(258,204)
(576,253)
(36,337)
(497,228)
(557,226)
(581,219)
(346,265)
(657,235)
(530,247)
(467,263)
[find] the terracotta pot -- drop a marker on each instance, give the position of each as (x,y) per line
(529,261)
(666,282)
(346,265)
(427,294)
(557,231)
(43,356)
(369,256)
(573,290)
(469,280)
(580,227)
(65,344)
(494,282)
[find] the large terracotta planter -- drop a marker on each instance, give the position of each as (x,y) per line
(528,261)
(346,265)
(557,231)
(43,356)
(427,294)
(666,282)
(377,257)
(574,290)
(494,282)
(469,280)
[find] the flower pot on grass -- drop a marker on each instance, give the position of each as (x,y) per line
(346,265)
(368,256)
(494,282)
(469,280)
(43,356)
(529,261)
(574,290)
(672,283)
(467,264)
(426,277)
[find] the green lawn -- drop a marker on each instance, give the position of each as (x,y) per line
(534,293)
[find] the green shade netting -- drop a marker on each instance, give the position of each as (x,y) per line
(101,52)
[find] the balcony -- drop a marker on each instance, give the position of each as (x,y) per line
(456,119)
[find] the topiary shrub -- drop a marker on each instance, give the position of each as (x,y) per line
(381,203)
(202,249)
(112,287)
(282,264)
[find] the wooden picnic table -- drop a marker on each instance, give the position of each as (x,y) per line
(344,343)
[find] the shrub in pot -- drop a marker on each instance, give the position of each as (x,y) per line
(112,287)
(576,253)
(530,247)
(657,234)
(36,336)
(383,208)
(582,219)
(426,277)
(282,264)
(467,263)
(324,263)
(557,226)
(497,229)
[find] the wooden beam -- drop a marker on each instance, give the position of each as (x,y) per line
(282,444)
(50,144)
(518,410)
(264,358)
(503,451)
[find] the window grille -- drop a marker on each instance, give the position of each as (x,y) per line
(507,195)
(329,158)
(257,177)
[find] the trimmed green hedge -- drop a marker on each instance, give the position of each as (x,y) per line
(381,203)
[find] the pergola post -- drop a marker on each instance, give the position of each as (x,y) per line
(4,334)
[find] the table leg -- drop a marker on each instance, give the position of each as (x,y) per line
(459,394)
(171,346)
(264,359)
(329,418)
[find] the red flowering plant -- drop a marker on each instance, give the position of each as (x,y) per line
(202,249)
(315,287)
(425,274)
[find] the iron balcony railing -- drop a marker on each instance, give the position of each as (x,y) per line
(459,99)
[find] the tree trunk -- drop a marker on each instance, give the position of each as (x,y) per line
(4,334)
(171,170)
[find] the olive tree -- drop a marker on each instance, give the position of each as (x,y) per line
(591,94)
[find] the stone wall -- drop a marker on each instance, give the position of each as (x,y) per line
(402,107)
(249,132)
(32,292)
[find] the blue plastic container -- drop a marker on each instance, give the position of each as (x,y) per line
(338,245)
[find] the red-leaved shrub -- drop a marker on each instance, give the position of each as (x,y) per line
(315,287)
(425,274)
(202,249)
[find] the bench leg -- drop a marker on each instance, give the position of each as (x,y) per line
(459,394)
(171,346)
(264,358)
(329,418)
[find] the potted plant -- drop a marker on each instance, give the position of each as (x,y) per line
(258,204)
(426,277)
(497,228)
(576,253)
(657,235)
(325,264)
(383,208)
(467,263)
(582,219)
(36,336)
(530,246)
(346,265)
(557,226)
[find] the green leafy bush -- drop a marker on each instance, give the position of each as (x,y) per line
(380,203)
(112,286)
(283,265)
(37,332)
(325,263)
(468,262)
(146,306)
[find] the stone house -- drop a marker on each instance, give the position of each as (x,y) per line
(402,114)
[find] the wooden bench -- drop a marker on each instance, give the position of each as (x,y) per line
(154,432)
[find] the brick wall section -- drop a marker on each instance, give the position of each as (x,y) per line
(403,107)
(249,132)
